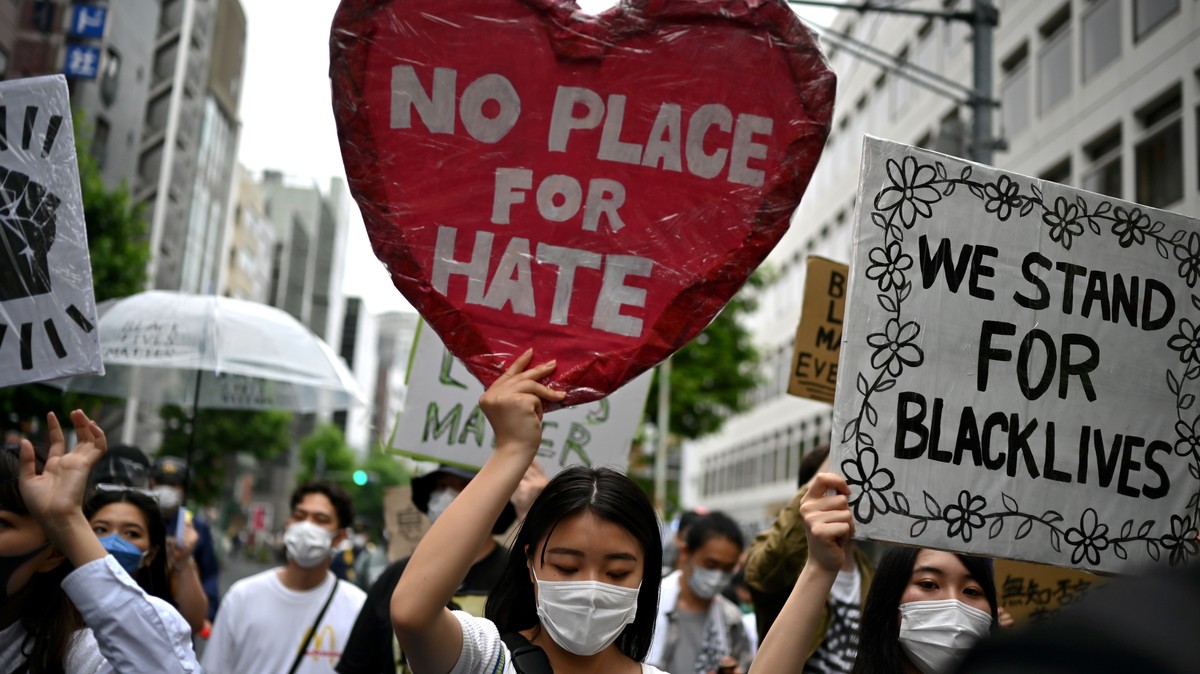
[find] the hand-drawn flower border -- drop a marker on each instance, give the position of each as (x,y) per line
(914,189)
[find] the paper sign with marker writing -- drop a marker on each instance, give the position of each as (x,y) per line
(47,307)
(597,185)
(819,336)
(1035,592)
(1020,367)
(442,420)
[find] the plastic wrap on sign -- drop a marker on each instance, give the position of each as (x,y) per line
(47,308)
(594,187)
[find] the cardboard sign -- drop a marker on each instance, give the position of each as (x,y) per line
(405,524)
(1020,367)
(599,186)
(819,336)
(442,420)
(1034,592)
(47,308)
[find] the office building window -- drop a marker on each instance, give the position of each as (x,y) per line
(1101,36)
(110,75)
(1054,61)
(902,87)
(1058,173)
(1104,171)
(99,146)
(1159,153)
(958,33)
(1149,14)
(1014,93)
(927,47)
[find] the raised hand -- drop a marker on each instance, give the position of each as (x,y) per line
(58,491)
(55,497)
(828,523)
(513,404)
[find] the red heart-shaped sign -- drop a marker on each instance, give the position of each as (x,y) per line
(596,187)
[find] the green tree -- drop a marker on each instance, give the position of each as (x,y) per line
(385,471)
(711,374)
(220,435)
(119,251)
(325,453)
(116,232)
(709,379)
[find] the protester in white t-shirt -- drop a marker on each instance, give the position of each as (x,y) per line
(581,583)
(265,620)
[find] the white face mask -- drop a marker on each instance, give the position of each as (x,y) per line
(937,634)
(308,544)
(438,502)
(168,497)
(706,583)
(585,616)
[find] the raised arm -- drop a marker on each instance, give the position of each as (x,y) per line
(828,527)
(429,634)
(186,587)
(55,497)
(134,635)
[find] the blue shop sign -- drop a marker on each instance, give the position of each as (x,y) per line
(88,21)
(82,62)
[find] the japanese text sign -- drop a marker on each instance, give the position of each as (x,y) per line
(1034,592)
(597,186)
(819,335)
(47,308)
(1020,367)
(442,420)
(88,21)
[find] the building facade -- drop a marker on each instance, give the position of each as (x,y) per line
(246,274)
(310,250)
(1098,94)
(186,164)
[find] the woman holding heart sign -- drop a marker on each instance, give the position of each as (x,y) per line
(580,590)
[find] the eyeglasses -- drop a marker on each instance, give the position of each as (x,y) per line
(121,488)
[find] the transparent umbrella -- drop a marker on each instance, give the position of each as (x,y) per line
(216,353)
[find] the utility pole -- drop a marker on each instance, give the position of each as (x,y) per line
(664,430)
(986,18)
(983,19)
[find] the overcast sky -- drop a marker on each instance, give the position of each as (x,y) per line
(287,118)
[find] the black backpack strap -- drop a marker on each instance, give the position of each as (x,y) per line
(526,658)
(313,630)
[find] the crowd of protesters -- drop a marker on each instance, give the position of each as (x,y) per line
(102,569)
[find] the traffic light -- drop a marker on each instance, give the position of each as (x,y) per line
(360,477)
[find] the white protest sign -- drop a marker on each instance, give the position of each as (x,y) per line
(442,420)
(47,308)
(1020,368)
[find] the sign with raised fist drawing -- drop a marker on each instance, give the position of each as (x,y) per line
(47,308)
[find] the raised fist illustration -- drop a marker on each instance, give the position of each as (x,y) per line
(27,222)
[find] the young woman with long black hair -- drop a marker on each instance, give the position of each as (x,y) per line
(925,607)
(131,528)
(581,581)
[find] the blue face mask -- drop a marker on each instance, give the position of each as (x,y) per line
(127,554)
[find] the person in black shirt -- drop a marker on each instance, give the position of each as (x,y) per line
(372,647)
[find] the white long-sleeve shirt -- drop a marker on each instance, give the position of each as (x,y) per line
(127,630)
